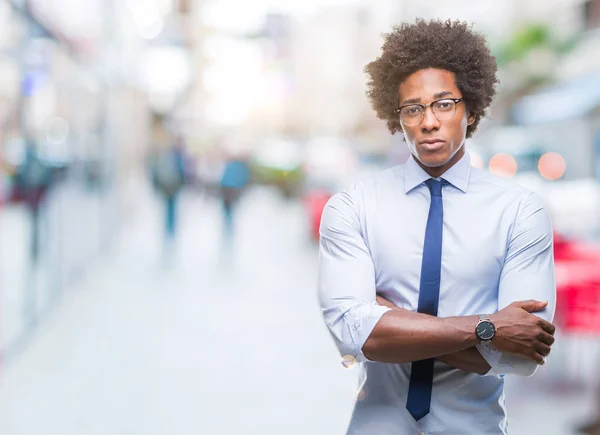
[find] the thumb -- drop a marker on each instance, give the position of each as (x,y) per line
(531,305)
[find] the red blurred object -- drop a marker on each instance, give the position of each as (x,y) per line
(578,285)
(315,202)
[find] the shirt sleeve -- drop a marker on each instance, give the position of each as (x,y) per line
(528,273)
(346,282)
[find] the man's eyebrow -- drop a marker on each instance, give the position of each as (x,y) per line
(435,96)
(411,101)
(442,94)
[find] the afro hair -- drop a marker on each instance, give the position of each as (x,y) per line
(449,45)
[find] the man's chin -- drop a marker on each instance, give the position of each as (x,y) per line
(434,160)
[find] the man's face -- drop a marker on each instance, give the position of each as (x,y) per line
(435,144)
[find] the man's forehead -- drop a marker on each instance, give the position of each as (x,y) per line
(429,83)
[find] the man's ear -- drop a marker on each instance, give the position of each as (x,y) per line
(471,119)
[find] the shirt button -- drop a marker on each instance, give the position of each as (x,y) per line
(421,433)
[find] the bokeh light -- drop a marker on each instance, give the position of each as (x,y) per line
(503,164)
(552,166)
(348,361)
(476,160)
(361,395)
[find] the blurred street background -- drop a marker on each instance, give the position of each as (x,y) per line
(163,168)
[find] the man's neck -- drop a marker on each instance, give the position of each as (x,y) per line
(440,170)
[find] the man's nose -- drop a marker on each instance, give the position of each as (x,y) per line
(430,122)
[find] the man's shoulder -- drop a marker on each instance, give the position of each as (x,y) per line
(498,184)
(376,179)
(365,185)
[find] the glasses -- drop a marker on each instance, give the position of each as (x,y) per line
(443,110)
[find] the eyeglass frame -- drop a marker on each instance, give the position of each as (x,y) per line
(425,106)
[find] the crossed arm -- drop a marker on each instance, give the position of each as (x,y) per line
(469,360)
(372,330)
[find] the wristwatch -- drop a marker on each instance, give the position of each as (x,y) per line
(485,329)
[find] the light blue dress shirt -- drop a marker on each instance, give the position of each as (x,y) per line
(497,248)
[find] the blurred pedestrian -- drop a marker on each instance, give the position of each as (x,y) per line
(436,325)
(234,180)
(32,180)
(168,168)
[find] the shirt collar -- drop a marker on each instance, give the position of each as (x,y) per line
(458,175)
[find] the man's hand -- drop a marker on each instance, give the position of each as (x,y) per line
(521,333)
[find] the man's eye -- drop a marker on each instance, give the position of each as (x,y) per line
(444,105)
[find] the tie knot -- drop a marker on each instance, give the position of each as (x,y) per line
(435,187)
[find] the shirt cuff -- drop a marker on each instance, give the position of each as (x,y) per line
(360,322)
(493,358)
(505,363)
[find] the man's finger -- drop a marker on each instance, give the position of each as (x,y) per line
(538,358)
(547,326)
(531,306)
(546,338)
(543,349)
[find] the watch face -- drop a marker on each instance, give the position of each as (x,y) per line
(485,330)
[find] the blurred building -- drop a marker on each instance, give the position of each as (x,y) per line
(329,52)
(565,112)
(76,87)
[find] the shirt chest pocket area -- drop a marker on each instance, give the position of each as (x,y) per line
(472,260)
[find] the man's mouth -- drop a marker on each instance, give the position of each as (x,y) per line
(432,144)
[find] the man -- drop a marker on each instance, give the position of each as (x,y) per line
(430,272)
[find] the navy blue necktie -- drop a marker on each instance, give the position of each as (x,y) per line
(421,376)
